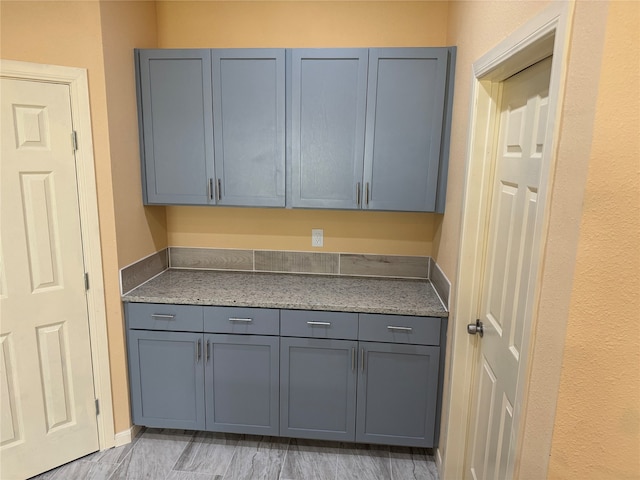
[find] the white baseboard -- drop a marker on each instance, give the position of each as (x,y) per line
(126,436)
(439,462)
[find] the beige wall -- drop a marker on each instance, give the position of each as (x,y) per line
(140,230)
(127,25)
(344,231)
(597,427)
(301,24)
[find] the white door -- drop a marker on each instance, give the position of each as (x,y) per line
(508,274)
(48,414)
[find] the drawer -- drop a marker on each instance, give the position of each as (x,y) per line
(251,321)
(164,316)
(399,329)
(311,324)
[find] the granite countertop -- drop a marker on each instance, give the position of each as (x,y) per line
(293,291)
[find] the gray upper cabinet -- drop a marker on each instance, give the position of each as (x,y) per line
(310,128)
(213,126)
(249,126)
(328,106)
(405,113)
(369,128)
(176,124)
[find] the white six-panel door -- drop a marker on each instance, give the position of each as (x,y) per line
(47,407)
(509,276)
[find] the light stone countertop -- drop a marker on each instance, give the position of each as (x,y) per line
(293,291)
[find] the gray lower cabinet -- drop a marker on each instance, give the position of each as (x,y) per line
(397,394)
(181,377)
(318,388)
(241,383)
(308,374)
(363,391)
(166,376)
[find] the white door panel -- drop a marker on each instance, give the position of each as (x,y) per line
(508,276)
(46,381)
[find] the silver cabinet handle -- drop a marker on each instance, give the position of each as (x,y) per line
(321,324)
(198,353)
(366,194)
(401,329)
(219,190)
(362,359)
(353,359)
(206,352)
(163,316)
(246,320)
(358,194)
(210,189)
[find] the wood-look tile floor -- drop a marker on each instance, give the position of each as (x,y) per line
(185,455)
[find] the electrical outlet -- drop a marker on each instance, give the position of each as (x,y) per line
(317,237)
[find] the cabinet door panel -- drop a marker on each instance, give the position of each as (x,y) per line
(175,96)
(249,123)
(318,388)
(397,394)
(241,383)
(405,104)
(167,379)
(328,102)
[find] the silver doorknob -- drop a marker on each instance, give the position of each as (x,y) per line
(476,328)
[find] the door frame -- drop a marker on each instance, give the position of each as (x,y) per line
(76,79)
(546,34)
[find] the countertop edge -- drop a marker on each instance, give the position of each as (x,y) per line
(168,297)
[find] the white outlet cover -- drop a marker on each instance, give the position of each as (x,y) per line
(317,237)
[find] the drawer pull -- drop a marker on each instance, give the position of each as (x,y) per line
(245,320)
(353,359)
(163,316)
(400,329)
(319,324)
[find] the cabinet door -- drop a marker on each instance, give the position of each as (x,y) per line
(397,394)
(405,109)
(249,126)
(318,388)
(176,125)
(241,383)
(166,373)
(328,105)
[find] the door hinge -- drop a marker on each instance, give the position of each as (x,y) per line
(86,281)
(74,141)
(97,407)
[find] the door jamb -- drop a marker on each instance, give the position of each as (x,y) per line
(545,34)
(76,79)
